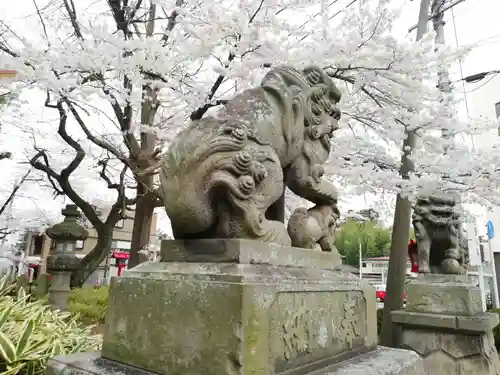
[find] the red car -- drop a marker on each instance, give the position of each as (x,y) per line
(380,293)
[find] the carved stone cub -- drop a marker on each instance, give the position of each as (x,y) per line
(309,227)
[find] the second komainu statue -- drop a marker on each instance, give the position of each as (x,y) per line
(225,176)
(441,245)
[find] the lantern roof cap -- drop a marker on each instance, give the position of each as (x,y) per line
(69,229)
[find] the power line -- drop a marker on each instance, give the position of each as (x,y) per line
(330,18)
(317,14)
(482,43)
(438,13)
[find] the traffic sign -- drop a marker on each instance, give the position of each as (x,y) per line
(490,229)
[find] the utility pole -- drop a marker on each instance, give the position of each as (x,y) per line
(396,273)
(438,23)
(443,77)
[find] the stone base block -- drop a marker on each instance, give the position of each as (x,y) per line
(443,294)
(261,314)
(246,252)
(382,361)
(477,324)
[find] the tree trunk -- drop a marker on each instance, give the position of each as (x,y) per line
(144,207)
(94,258)
(143,218)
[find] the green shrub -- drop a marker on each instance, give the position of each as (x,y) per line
(31,333)
(496,330)
(89,304)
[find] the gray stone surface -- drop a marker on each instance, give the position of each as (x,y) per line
(479,323)
(440,294)
(246,252)
(212,318)
(59,290)
(382,361)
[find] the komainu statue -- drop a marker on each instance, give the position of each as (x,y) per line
(225,176)
(309,227)
(439,236)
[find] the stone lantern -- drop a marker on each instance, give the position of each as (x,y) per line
(62,260)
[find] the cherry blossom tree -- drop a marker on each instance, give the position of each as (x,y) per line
(119,78)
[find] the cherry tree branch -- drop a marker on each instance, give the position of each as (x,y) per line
(62,178)
(98,142)
(199,112)
(172,18)
(71,10)
(104,164)
(14,191)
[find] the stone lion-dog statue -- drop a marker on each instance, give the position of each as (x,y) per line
(223,176)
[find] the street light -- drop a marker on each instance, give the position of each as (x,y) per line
(478,76)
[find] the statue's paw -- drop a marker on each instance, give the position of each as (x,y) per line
(277,233)
(452,267)
(317,172)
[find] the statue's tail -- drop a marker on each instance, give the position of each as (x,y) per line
(197,185)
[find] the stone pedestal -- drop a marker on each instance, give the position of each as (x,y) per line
(238,307)
(444,323)
(249,307)
(60,267)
